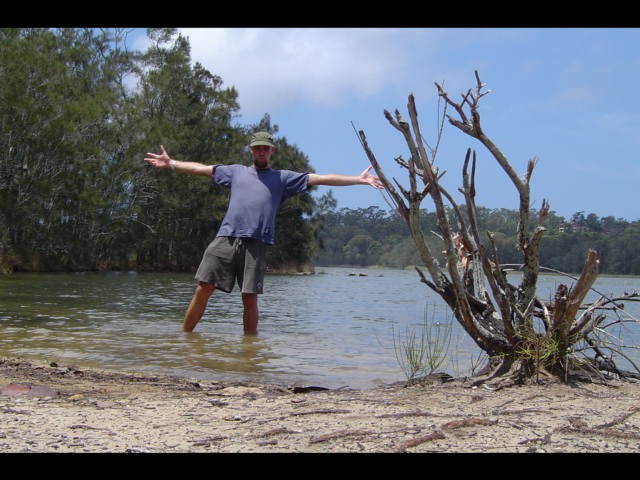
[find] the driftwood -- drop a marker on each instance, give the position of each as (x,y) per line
(437,435)
(497,315)
(341,434)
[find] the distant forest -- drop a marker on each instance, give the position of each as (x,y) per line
(373,236)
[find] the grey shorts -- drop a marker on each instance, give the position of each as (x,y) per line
(228,260)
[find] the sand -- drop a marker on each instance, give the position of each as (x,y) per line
(52,408)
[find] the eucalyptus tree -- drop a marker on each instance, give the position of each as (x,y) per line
(56,101)
(78,111)
(186,109)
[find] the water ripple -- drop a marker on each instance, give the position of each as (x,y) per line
(330,329)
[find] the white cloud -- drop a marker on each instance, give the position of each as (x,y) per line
(276,67)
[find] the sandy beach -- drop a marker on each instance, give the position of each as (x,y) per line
(56,408)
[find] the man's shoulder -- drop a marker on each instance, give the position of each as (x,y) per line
(290,173)
(231,165)
(281,172)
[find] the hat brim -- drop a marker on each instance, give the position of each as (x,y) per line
(261,142)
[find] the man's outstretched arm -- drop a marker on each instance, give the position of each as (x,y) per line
(337,180)
(162,160)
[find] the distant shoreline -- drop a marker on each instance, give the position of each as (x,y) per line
(308,270)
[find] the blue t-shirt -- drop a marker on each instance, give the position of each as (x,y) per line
(255,198)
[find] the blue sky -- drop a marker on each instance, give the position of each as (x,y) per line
(567,96)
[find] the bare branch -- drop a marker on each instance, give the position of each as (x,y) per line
(580,289)
(501,323)
(402,209)
(457,107)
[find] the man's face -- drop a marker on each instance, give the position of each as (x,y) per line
(261,155)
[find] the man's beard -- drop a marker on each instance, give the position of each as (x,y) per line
(260,164)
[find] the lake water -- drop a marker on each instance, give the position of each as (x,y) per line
(331,329)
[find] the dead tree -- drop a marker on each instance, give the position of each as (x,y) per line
(523,335)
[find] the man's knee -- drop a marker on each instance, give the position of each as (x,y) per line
(204,288)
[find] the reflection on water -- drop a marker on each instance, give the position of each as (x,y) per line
(249,354)
(330,329)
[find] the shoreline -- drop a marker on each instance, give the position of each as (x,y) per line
(53,408)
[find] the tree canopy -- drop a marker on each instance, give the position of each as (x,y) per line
(78,111)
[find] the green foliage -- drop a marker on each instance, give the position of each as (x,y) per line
(423,352)
(57,102)
(541,352)
(373,236)
(78,112)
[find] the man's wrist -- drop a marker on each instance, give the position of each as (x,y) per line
(172,164)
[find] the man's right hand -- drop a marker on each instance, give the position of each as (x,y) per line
(162,160)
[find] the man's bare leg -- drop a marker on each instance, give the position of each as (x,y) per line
(250,315)
(197,306)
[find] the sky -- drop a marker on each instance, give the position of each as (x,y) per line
(564,96)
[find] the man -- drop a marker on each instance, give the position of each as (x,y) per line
(237,254)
